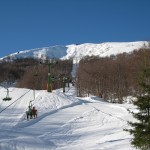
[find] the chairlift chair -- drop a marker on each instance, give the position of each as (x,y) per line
(7,98)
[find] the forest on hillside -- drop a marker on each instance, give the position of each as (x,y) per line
(112,78)
(32,73)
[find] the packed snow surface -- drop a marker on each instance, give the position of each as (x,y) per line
(64,122)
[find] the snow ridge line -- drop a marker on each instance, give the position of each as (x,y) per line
(15,101)
(50,113)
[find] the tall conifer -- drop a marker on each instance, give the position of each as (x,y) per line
(141,128)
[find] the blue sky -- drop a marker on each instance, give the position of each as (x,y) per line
(28,24)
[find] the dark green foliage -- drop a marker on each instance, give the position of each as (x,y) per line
(141,129)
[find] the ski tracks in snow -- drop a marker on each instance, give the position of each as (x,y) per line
(66,122)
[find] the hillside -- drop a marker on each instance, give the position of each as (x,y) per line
(64,122)
(79,51)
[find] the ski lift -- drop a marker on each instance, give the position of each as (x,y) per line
(7,98)
(6,84)
(30,104)
(31,112)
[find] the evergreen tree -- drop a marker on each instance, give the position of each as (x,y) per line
(141,128)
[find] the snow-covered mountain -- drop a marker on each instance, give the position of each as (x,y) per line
(79,51)
(65,121)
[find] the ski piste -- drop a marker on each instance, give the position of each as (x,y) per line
(64,122)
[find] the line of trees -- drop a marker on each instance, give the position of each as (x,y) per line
(112,78)
(31,73)
(36,76)
(14,70)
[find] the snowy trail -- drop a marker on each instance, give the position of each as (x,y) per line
(65,122)
(56,119)
(75,125)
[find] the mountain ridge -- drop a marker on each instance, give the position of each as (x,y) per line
(79,50)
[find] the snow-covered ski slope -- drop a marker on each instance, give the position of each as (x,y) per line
(77,52)
(65,122)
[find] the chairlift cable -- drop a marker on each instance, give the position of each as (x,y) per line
(15,101)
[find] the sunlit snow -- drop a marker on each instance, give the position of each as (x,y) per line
(77,52)
(64,122)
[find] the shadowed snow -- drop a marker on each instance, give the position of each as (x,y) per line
(64,122)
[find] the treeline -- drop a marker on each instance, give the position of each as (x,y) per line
(11,71)
(32,73)
(112,78)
